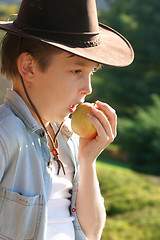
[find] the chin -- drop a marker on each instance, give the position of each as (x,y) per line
(62,119)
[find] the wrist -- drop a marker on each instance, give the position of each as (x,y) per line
(88,171)
(87,164)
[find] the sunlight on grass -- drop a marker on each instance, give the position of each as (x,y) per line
(132,202)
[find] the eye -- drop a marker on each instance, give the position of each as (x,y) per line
(76,71)
(93,71)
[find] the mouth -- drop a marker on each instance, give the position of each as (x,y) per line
(73,107)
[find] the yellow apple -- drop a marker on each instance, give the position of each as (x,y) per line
(80,123)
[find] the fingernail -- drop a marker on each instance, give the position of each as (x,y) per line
(98,102)
(89,115)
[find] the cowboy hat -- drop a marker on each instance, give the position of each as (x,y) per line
(72,26)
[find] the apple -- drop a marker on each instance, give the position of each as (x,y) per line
(80,123)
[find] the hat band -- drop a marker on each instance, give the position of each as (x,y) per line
(86,39)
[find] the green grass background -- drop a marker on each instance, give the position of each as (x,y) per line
(132,202)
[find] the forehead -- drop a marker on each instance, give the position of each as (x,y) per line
(83,62)
(76,61)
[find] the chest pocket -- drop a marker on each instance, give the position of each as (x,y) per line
(20,216)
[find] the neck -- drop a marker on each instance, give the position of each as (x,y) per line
(20,88)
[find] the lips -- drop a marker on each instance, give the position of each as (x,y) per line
(73,107)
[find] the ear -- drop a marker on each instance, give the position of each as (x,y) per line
(25,64)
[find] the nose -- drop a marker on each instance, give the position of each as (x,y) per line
(86,88)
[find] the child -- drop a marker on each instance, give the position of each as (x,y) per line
(48,182)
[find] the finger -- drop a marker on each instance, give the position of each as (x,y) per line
(102,125)
(111,114)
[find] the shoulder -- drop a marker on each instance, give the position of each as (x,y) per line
(11,128)
(5,112)
(9,122)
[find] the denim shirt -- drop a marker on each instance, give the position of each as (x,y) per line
(25,180)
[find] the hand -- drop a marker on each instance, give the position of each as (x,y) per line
(89,149)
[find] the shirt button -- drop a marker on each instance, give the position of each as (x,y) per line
(42,133)
(73,209)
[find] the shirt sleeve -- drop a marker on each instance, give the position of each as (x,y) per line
(79,234)
(3,158)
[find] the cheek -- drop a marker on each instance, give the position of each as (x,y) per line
(66,88)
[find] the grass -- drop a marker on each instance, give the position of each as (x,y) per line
(132,202)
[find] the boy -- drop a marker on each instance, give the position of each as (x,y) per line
(50,52)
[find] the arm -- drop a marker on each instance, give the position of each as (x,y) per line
(89,203)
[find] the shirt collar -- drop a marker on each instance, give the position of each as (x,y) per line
(20,109)
(66,128)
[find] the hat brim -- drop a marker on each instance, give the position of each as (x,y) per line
(113,50)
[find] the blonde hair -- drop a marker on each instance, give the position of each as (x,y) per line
(14,45)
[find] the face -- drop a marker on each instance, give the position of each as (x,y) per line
(63,86)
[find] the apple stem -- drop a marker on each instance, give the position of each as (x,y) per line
(95,103)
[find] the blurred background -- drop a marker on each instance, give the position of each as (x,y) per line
(129,169)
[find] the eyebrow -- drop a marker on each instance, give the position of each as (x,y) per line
(83,64)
